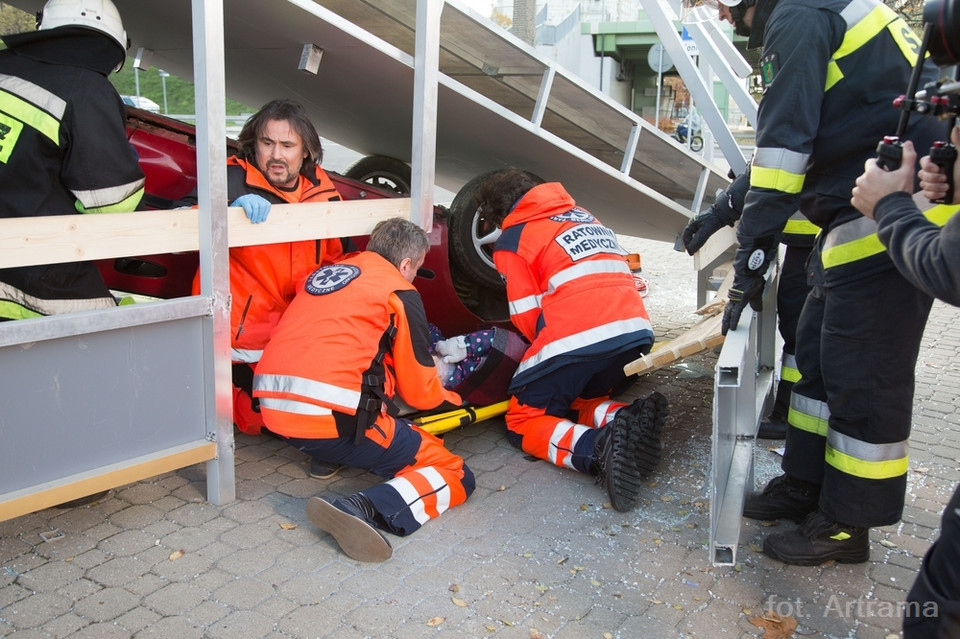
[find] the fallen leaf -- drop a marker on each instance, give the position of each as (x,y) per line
(608,635)
(459,602)
(595,583)
(454,588)
(501,487)
(887,543)
(536,634)
(435,621)
(287,525)
(176,554)
(774,626)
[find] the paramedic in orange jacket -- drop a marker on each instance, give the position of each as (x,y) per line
(278,162)
(572,296)
(354,337)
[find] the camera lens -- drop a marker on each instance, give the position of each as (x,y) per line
(944,44)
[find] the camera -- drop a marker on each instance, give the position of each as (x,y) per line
(941,39)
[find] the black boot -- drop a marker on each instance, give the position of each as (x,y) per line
(783,498)
(773,426)
(352,523)
(651,415)
(614,461)
(818,539)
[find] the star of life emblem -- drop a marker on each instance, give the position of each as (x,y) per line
(328,279)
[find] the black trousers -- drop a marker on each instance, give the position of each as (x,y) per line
(933,603)
(857,348)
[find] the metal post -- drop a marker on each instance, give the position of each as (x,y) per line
(426,71)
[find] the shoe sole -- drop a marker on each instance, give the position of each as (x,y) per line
(328,475)
(358,539)
(653,415)
(622,476)
(840,556)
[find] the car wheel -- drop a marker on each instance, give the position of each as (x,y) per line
(471,237)
(383,172)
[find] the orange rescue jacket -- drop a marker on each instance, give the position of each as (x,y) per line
(569,289)
(322,354)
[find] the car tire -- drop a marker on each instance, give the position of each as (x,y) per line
(471,243)
(383,172)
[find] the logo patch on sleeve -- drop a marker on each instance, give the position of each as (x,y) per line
(328,279)
(575,214)
(769,65)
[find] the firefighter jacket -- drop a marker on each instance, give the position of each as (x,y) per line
(322,361)
(263,278)
(569,289)
(63,151)
(831,71)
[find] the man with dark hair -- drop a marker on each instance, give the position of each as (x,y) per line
(278,162)
(355,337)
(573,298)
(831,70)
(63,147)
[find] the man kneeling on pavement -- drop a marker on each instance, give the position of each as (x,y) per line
(354,337)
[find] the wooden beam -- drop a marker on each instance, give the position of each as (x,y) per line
(73,238)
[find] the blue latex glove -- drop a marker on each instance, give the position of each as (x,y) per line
(256,207)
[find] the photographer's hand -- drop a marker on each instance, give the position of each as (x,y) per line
(934,183)
(876,183)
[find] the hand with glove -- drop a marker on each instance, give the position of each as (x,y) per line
(750,268)
(725,211)
(453,350)
(256,207)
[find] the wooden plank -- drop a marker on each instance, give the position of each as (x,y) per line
(72,238)
(39,497)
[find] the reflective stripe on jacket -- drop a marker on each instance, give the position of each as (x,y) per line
(317,359)
(63,151)
(569,289)
(835,67)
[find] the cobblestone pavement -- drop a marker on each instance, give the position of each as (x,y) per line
(534,553)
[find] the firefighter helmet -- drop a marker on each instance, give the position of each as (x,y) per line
(100,15)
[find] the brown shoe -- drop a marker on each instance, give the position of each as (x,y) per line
(348,525)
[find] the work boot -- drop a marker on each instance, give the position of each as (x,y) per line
(614,460)
(651,413)
(773,426)
(819,539)
(350,521)
(783,498)
(323,470)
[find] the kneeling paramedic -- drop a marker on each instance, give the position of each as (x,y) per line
(573,298)
(354,337)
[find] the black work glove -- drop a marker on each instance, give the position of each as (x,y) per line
(750,268)
(725,211)
(746,290)
(700,228)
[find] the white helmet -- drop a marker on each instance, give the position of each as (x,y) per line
(100,15)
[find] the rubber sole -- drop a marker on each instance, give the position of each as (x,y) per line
(358,539)
(840,555)
(653,414)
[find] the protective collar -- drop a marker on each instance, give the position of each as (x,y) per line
(71,46)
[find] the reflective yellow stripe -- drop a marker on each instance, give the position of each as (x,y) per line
(857,239)
(788,374)
(862,459)
(30,115)
(800,226)
(776,179)
(834,75)
(849,465)
(808,414)
(778,169)
(13,311)
(123,206)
